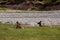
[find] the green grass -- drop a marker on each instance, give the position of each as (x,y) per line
(9,32)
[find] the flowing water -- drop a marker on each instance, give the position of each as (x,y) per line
(32,18)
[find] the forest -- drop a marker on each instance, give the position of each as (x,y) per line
(31,4)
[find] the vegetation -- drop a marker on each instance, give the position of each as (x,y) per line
(9,32)
(29,4)
(20,1)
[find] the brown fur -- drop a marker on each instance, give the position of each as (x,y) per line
(19,26)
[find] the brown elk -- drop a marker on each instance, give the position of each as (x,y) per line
(19,26)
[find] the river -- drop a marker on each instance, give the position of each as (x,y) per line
(31,18)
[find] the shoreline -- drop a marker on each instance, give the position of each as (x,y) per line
(23,11)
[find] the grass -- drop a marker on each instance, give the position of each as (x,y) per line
(9,32)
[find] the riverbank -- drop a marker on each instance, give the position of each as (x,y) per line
(23,11)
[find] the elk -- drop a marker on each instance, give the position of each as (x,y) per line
(19,25)
(40,23)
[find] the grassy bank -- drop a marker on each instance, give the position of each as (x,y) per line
(24,11)
(7,10)
(9,32)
